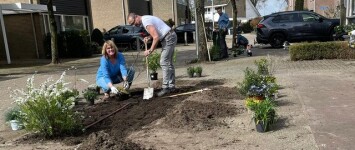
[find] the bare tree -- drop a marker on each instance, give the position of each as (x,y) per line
(342,13)
(53,32)
(200,11)
(235,22)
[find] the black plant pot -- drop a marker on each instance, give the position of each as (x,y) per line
(91,102)
(122,96)
(234,55)
(191,75)
(260,127)
(154,76)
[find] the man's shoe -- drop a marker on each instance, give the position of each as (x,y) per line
(163,92)
(172,90)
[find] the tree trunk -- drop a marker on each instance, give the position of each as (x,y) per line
(200,9)
(53,31)
(342,13)
(235,22)
(299,5)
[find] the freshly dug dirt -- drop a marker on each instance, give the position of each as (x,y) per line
(193,112)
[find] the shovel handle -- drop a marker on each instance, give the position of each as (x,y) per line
(146,60)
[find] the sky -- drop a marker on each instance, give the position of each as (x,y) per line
(271,6)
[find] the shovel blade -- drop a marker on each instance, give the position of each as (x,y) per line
(148,93)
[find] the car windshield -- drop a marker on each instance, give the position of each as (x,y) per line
(115,30)
(180,28)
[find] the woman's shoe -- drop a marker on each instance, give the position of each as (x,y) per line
(106,97)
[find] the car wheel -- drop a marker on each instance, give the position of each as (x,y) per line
(134,44)
(332,32)
(277,40)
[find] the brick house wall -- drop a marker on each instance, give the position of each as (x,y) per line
(20,37)
(163,9)
(107,14)
(110,13)
(322,7)
(166,9)
(326,8)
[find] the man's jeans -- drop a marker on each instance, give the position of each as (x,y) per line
(223,44)
(166,60)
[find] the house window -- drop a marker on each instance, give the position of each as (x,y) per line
(66,23)
(208,11)
(73,23)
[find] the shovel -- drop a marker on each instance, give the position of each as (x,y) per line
(148,92)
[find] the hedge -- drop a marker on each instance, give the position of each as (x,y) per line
(321,50)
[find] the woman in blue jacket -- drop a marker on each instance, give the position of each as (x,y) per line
(112,70)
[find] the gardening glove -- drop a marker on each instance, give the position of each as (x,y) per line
(126,85)
(114,90)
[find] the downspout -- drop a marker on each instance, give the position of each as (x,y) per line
(124,12)
(4,36)
(314,5)
(34,35)
(173,10)
(348,10)
(351,8)
(212,10)
(34,31)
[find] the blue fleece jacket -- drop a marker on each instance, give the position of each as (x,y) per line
(109,71)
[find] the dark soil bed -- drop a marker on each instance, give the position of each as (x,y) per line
(194,112)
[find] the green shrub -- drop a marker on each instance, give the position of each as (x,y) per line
(215,52)
(12,114)
(198,69)
(246,27)
(260,83)
(90,94)
(71,44)
(321,50)
(264,112)
(190,71)
(262,65)
(345,28)
(97,37)
(154,62)
(48,109)
(250,78)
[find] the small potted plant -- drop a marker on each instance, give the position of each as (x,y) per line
(257,92)
(90,96)
(153,65)
(13,117)
(234,51)
(251,103)
(190,71)
(95,87)
(264,115)
(72,93)
(198,71)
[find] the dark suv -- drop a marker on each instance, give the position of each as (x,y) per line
(125,35)
(292,26)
